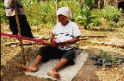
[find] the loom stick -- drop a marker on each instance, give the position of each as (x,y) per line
(19,30)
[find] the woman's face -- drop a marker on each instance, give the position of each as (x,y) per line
(63,19)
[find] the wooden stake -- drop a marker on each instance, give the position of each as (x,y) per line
(19,30)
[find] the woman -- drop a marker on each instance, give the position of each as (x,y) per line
(67,33)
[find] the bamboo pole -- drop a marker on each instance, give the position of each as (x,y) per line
(56,9)
(19,30)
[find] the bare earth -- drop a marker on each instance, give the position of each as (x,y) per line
(11,56)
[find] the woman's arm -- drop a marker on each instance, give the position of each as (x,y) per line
(68,41)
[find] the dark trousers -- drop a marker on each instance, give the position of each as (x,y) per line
(48,53)
(24,26)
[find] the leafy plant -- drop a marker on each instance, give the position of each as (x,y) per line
(85,13)
(111,58)
(96,21)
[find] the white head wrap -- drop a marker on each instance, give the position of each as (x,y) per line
(64,11)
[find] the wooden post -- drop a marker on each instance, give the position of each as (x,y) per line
(56,9)
(19,30)
(116,3)
(104,3)
(99,4)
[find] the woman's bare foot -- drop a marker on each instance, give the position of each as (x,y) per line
(29,68)
(53,73)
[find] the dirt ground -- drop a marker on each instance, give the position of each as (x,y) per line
(11,56)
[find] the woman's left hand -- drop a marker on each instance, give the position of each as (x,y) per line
(48,43)
(61,44)
(65,43)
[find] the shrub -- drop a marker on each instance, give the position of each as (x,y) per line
(111,13)
(120,23)
(112,24)
(85,13)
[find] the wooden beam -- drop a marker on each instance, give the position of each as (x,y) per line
(15,43)
(11,43)
(81,37)
(108,44)
(94,36)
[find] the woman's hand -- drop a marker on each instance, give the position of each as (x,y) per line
(61,44)
(65,43)
(49,43)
